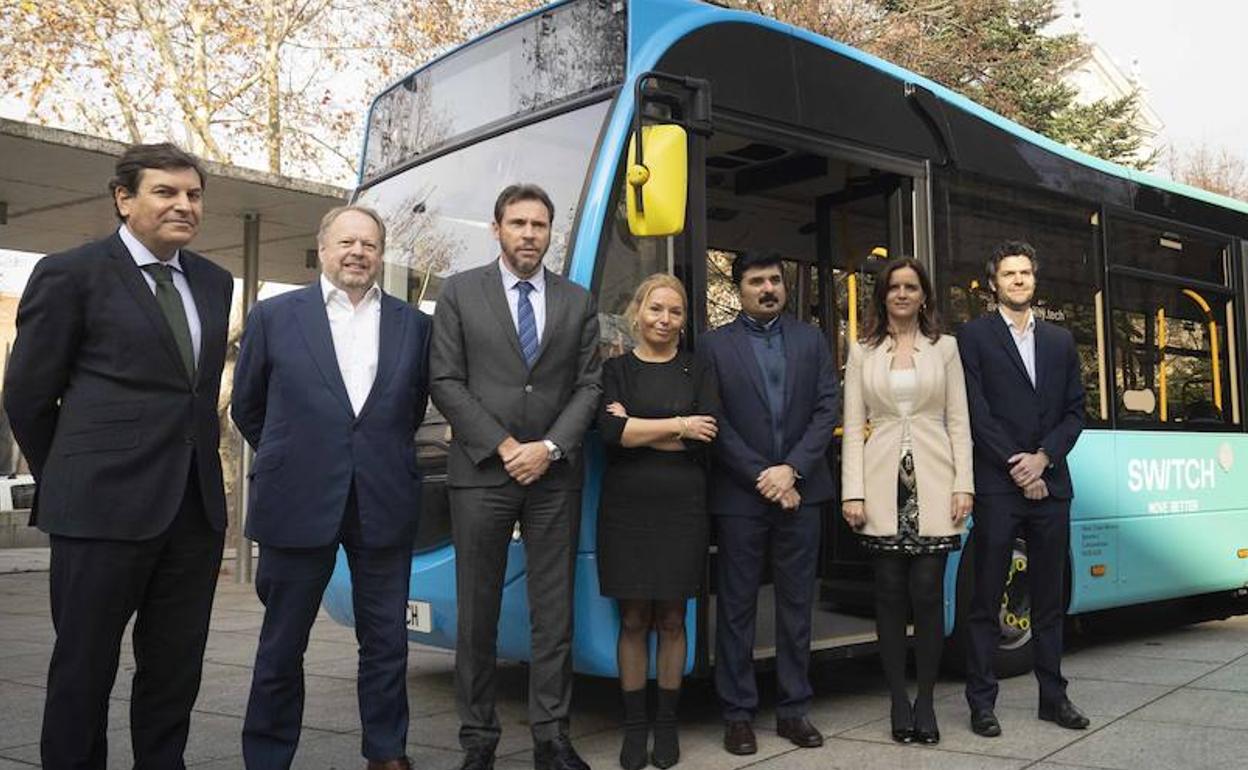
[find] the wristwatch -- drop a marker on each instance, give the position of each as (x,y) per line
(555,452)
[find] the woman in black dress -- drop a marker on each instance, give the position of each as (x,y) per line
(652,525)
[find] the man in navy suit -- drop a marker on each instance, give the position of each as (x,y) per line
(112,393)
(779,406)
(330,386)
(1025,395)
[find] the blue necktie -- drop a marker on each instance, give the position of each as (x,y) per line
(526,323)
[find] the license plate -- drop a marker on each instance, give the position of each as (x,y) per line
(419,617)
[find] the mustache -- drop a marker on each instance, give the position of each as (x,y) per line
(768,297)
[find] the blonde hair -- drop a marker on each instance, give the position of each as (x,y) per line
(644,289)
(337,211)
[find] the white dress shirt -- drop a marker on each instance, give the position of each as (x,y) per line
(1025,341)
(537,297)
(142,256)
(356,330)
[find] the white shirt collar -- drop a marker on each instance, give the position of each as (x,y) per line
(510,279)
(329,292)
(1029,326)
(143,256)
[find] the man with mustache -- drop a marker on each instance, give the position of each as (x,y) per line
(516,372)
(779,406)
(112,392)
(330,386)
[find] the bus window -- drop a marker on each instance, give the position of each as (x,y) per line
(1172,348)
(1066,236)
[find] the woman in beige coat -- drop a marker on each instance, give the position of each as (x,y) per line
(906,477)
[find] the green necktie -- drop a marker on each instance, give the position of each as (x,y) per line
(170,302)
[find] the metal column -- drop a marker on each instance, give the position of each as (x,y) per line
(251,286)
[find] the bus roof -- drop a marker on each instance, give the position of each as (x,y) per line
(656,25)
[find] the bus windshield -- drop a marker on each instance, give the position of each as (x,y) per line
(439,213)
(563,52)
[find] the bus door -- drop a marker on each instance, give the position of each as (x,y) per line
(833,215)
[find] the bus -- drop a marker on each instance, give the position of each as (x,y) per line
(672,134)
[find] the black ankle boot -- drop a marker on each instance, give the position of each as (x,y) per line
(666,738)
(636,730)
(901,717)
(925,728)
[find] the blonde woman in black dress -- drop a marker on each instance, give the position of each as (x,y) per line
(652,523)
(906,484)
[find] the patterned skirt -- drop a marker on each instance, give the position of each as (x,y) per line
(908,541)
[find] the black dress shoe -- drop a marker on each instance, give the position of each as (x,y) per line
(984,722)
(1064,714)
(739,738)
(478,759)
(557,754)
(800,732)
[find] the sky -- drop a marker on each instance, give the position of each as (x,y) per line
(1189,54)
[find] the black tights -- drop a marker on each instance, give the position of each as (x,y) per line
(637,618)
(904,583)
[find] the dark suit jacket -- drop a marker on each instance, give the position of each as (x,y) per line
(743,447)
(486,392)
(100,401)
(291,405)
(1008,415)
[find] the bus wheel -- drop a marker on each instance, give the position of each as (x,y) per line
(1014,650)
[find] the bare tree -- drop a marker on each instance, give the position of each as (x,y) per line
(1216,169)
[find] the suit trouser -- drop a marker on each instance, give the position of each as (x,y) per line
(290,583)
(1045,525)
(482,520)
(168,583)
(743,544)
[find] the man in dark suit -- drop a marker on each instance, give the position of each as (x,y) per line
(112,393)
(1025,396)
(330,386)
(779,406)
(517,374)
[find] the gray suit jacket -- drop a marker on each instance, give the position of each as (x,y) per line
(480,382)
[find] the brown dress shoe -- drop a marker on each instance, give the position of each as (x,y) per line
(739,738)
(402,763)
(800,732)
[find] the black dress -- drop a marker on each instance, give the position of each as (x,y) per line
(652,521)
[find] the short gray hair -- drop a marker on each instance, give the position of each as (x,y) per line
(337,211)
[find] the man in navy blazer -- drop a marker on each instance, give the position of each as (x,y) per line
(1026,398)
(330,386)
(112,390)
(779,406)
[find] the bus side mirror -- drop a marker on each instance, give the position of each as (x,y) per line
(658,181)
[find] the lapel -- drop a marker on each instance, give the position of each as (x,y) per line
(392,330)
(1042,347)
(496,300)
(1006,338)
(313,324)
(877,361)
(132,279)
(210,322)
(791,357)
(745,354)
(926,360)
(556,309)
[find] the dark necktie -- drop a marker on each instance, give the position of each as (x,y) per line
(170,302)
(526,323)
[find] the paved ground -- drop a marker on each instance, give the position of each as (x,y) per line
(1171,698)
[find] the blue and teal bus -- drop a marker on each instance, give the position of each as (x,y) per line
(797,143)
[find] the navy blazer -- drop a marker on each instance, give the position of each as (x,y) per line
(1008,414)
(744,445)
(291,405)
(100,401)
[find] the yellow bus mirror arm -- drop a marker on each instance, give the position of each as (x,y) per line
(638,175)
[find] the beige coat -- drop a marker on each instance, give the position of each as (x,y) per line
(940,433)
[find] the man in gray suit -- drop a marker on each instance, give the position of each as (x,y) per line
(515,370)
